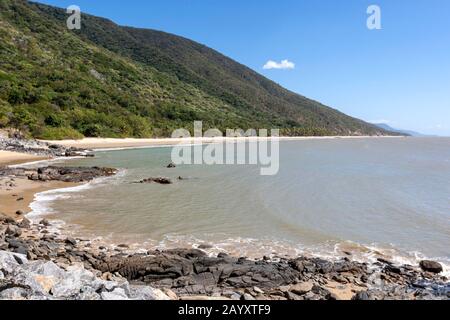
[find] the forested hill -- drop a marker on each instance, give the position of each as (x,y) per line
(113,81)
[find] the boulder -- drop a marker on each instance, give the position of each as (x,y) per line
(13,231)
(71,241)
(159,180)
(116,295)
(147,293)
(75,278)
(26,279)
(14,294)
(9,261)
(302,288)
(171,165)
(44,222)
(25,223)
(45,268)
(431,266)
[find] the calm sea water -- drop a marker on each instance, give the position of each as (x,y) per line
(364,196)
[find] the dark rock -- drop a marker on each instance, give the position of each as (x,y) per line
(44,222)
(5,219)
(385,261)
(13,231)
(431,266)
(21,250)
(171,165)
(205,246)
(159,180)
(71,241)
(73,174)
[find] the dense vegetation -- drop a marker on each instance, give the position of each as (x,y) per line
(113,81)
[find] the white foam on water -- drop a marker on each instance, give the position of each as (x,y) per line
(41,205)
(33,164)
(272,248)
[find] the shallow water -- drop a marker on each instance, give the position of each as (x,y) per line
(345,194)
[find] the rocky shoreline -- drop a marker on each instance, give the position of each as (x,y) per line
(39,262)
(15,142)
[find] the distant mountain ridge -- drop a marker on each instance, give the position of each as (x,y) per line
(114,81)
(411,133)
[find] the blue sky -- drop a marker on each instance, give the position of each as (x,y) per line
(400,74)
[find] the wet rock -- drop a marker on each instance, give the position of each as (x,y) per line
(24,224)
(44,222)
(171,165)
(159,180)
(73,174)
(205,246)
(5,219)
(71,241)
(431,266)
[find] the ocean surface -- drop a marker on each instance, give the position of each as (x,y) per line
(361,197)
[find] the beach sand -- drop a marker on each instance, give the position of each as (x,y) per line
(8,158)
(21,194)
(109,143)
(18,193)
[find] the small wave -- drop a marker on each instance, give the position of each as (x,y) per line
(41,205)
(34,164)
(257,248)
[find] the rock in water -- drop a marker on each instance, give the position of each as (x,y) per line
(431,266)
(171,165)
(159,180)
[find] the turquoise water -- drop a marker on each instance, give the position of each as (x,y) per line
(389,196)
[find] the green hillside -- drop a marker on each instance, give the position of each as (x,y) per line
(113,81)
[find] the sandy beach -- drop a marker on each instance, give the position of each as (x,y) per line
(109,143)
(8,158)
(16,194)
(19,196)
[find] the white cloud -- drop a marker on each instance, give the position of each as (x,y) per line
(283,65)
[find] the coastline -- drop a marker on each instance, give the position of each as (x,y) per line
(332,282)
(111,143)
(18,193)
(8,158)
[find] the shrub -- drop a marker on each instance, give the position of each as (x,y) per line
(49,133)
